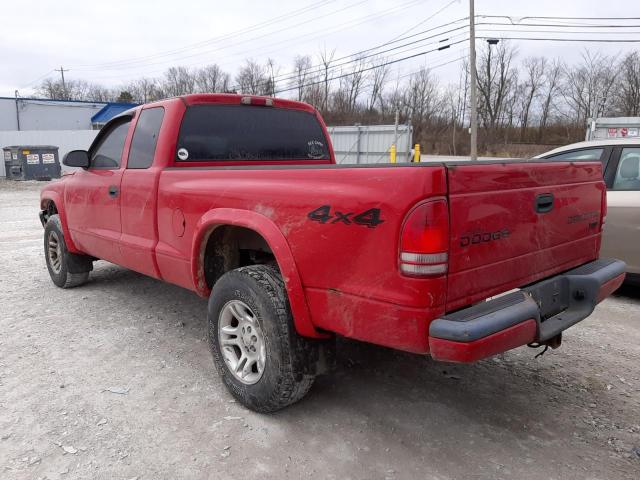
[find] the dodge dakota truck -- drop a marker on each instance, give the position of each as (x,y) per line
(239,199)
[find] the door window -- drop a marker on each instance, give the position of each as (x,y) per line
(628,172)
(108,153)
(590,154)
(145,137)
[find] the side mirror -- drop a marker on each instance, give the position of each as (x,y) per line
(76,158)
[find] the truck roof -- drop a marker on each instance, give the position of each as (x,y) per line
(233,98)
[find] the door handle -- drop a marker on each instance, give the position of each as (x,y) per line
(113,191)
(544,203)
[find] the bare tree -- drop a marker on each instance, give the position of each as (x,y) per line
(99,93)
(75,90)
(628,86)
(326,59)
(178,81)
(551,83)
(252,78)
(51,89)
(212,79)
(587,87)
(423,98)
(272,72)
(301,74)
(496,77)
(350,86)
(395,100)
(378,77)
(534,68)
(144,90)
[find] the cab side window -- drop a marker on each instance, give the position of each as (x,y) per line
(628,172)
(108,154)
(145,137)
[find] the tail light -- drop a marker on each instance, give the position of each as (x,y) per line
(260,101)
(424,244)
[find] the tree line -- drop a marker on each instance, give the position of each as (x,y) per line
(524,104)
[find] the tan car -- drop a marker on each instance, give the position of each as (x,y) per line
(621,165)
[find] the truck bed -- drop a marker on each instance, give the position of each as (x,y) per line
(347,269)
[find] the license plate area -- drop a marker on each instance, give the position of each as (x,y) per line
(552,296)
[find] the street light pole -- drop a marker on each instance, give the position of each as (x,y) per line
(473,94)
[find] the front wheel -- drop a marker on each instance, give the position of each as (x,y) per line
(263,362)
(65,269)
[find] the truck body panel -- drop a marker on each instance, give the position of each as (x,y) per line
(500,241)
(336,232)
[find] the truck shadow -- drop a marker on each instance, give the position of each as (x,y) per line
(629,291)
(393,391)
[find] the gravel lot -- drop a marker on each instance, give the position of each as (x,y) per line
(114,380)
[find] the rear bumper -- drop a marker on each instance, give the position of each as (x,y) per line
(536,313)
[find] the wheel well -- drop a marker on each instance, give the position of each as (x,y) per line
(229,247)
(49,208)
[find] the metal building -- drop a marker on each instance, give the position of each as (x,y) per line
(36,114)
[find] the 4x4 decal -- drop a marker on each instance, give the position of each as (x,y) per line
(369,218)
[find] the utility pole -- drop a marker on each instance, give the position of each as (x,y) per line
(64,85)
(473,94)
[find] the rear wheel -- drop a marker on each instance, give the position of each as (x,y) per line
(65,269)
(263,362)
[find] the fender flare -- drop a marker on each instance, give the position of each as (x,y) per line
(279,246)
(56,198)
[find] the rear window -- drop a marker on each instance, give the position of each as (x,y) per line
(249,133)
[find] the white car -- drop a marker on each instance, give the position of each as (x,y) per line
(621,167)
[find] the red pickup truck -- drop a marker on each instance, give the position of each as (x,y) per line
(239,199)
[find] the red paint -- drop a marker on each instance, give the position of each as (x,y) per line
(461,352)
(340,277)
(609,287)
(497,201)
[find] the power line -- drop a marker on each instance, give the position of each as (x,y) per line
(358,57)
(391,62)
(580,32)
(594,40)
(511,17)
(556,25)
(41,77)
(363,20)
(201,43)
(319,67)
(433,67)
(125,65)
(287,41)
(437,12)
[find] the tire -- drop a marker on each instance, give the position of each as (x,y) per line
(65,269)
(287,359)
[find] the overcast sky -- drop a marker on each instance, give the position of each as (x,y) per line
(145,38)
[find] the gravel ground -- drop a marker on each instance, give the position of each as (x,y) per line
(114,380)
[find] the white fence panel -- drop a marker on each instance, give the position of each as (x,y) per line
(371,143)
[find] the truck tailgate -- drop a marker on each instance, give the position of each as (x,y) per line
(516,222)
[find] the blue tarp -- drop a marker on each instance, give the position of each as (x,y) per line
(110,110)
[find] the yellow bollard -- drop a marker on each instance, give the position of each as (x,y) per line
(416,155)
(392,154)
